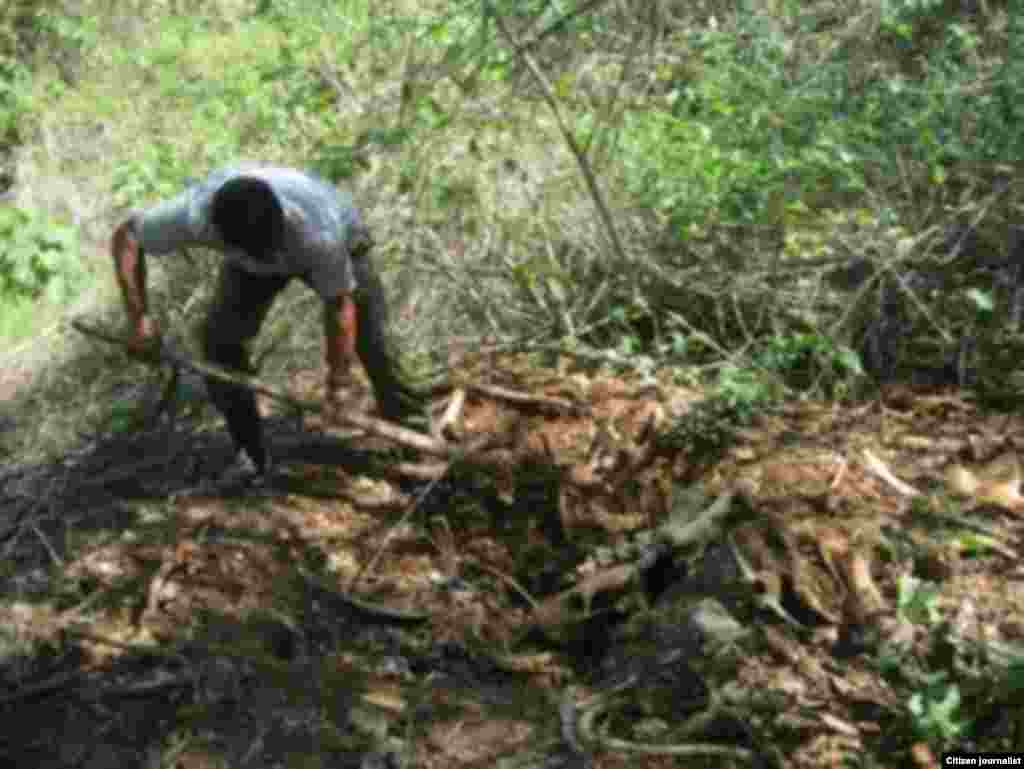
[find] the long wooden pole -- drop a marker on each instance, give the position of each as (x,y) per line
(402,436)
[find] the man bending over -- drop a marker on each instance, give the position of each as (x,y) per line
(271,224)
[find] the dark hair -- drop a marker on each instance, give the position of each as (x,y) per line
(248,215)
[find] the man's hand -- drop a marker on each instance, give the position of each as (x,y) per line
(144,342)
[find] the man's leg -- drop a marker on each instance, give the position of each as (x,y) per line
(239,307)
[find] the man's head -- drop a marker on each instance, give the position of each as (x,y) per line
(248,216)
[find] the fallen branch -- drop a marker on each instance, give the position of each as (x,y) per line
(452,414)
(685,528)
(881,470)
(598,705)
(402,436)
(558,405)
(419,471)
(476,453)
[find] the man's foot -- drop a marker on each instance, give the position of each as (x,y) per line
(258,459)
(245,471)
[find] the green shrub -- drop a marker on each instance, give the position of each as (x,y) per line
(936,710)
(14,78)
(38,257)
(809,361)
(29,28)
(745,124)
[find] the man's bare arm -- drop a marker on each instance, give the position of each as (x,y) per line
(130,270)
(340,332)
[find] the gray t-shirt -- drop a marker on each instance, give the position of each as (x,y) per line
(322,227)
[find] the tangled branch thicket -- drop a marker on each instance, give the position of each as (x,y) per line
(729,235)
(715,184)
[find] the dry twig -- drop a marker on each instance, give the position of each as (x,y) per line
(549,96)
(558,405)
(376,427)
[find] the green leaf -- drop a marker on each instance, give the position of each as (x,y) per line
(982,300)
(849,360)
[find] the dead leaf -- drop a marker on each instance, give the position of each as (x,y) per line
(997,482)
(385,695)
(961,480)
(922,756)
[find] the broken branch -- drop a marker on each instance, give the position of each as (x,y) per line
(377,427)
(558,405)
(473,454)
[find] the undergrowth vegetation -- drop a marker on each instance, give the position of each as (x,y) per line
(800,192)
(767,199)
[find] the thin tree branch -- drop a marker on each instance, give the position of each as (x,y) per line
(581,159)
(377,427)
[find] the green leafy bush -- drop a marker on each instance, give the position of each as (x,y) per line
(27,28)
(808,361)
(745,123)
(38,257)
(937,711)
(14,79)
